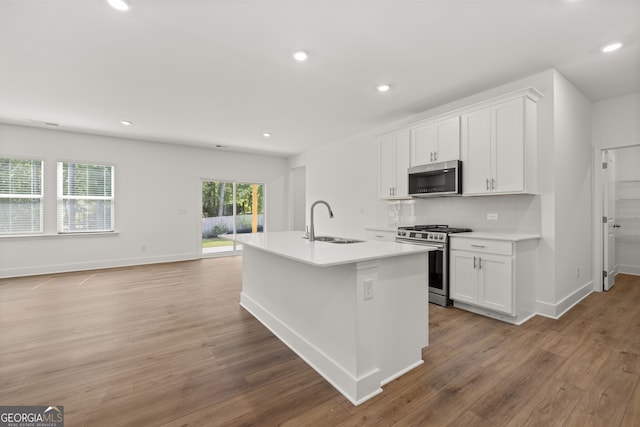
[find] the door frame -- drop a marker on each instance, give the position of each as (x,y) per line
(598,208)
(608,211)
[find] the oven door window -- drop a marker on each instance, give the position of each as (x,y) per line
(436,270)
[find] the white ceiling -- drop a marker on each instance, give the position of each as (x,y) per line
(203,73)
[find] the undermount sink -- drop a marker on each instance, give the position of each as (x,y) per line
(342,240)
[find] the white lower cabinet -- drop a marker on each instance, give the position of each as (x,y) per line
(493,277)
(482,279)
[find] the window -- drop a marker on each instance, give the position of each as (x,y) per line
(21,207)
(228,208)
(85,198)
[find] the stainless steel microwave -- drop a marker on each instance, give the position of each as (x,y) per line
(436,179)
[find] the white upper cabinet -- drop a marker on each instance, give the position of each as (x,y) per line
(498,148)
(436,142)
(393,165)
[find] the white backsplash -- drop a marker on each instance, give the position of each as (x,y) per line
(401,212)
(515,214)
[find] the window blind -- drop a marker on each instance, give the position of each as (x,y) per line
(21,207)
(85,198)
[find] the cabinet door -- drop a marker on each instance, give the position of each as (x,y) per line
(386,171)
(402,155)
(423,145)
(508,147)
(463,280)
(476,152)
(495,283)
(448,140)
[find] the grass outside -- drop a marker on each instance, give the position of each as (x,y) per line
(215,242)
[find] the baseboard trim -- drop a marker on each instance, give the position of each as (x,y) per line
(629,269)
(356,390)
(555,311)
(6,273)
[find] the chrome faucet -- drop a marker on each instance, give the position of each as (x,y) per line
(312,233)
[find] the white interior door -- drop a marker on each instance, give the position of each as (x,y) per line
(608,226)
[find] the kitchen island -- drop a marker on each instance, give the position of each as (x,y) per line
(356,313)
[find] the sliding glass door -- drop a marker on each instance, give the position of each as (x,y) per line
(228,208)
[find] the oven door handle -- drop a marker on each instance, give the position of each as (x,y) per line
(438,246)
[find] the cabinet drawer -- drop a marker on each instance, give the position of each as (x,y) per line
(499,247)
(387,236)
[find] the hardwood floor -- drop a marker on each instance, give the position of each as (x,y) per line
(168,345)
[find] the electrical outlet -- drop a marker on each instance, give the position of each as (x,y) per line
(368,289)
(492,216)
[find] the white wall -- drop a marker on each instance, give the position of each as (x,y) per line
(157,199)
(572,167)
(616,122)
(345,174)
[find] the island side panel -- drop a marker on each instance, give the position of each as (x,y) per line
(402,321)
(313,311)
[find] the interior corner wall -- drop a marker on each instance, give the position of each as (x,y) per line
(157,199)
(573,194)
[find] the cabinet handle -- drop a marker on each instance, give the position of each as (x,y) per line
(474,263)
(431,156)
(493,183)
(478,246)
(479,263)
(435,155)
(488,184)
(379,236)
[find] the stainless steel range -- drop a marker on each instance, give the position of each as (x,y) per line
(438,237)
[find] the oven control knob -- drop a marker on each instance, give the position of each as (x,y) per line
(441,237)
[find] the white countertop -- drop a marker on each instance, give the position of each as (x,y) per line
(292,245)
(496,236)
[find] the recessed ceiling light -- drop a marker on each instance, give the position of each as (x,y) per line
(119,5)
(125,122)
(266,134)
(383,87)
(300,55)
(611,47)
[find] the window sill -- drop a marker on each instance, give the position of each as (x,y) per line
(48,235)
